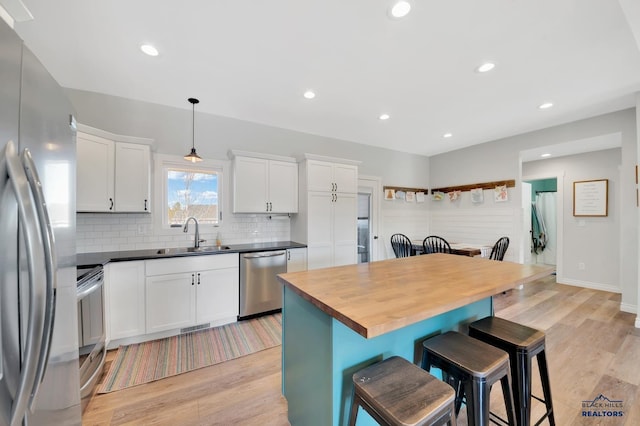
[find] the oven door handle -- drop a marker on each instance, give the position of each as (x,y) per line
(95,284)
(95,376)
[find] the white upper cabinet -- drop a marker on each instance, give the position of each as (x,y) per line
(132,177)
(95,167)
(327,220)
(113,176)
(264,185)
(332,177)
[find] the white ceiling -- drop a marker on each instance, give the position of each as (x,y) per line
(252,60)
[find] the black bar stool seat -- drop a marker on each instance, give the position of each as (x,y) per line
(522,343)
(471,367)
(398,393)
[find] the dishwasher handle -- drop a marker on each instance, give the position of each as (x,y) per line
(266,254)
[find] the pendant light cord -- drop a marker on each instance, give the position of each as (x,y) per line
(193,125)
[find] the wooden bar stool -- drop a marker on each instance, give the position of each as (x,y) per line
(522,343)
(399,393)
(471,367)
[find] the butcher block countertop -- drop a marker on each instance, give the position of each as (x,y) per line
(379,297)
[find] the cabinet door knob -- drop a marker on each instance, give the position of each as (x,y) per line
(198,278)
(111,201)
(145,205)
(192,279)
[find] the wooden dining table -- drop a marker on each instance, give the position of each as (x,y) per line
(462,249)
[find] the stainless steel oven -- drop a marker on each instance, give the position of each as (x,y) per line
(91,329)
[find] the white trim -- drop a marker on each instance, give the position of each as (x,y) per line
(6,16)
(16,11)
(162,160)
(559,217)
(637,325)
(232,153)
(629,308)
(591,285)
(112,136)
(374,183)
(307,156)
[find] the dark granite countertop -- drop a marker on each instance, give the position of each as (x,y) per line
(102,258)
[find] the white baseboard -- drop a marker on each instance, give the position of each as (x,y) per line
(629,308)
(638,322)
(591,285)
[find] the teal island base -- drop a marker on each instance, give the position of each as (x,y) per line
(320,355)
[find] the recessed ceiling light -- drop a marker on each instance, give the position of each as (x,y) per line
(447,135)
(545,155)
(149,50)
(545,105)
(384,116)
(309,94)
(400,9)
(487,66)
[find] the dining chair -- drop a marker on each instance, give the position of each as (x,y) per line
(499,249)
(402,246)
(435,244)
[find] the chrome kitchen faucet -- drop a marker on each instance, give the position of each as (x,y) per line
(196,237)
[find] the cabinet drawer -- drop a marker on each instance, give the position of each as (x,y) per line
(177,265)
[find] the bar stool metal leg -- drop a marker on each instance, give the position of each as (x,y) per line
(472,367)
(522,343)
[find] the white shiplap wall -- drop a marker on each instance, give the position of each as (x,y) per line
(412,223)
(479,226)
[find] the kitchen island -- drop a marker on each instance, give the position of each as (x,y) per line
(339,320)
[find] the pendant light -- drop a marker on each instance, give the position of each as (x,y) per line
(193,156)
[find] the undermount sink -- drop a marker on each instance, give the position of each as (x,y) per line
(192,249)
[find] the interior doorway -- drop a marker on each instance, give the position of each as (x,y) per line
(543,232)
(369,190)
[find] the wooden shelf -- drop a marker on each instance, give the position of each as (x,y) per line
(485,185)
(406,189)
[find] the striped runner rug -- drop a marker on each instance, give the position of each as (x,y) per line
(149,361)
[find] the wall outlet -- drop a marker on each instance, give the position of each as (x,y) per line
(581,266)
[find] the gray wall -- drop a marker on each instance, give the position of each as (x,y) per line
(215,135)
(593,241)
(500,160)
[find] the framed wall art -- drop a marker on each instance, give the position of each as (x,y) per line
(591,198)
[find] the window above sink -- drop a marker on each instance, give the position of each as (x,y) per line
(186,190)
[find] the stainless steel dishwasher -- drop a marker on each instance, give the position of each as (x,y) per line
(260,290)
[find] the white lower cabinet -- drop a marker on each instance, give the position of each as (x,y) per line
(170,301)
(296,259)
(187,291)
(125,301)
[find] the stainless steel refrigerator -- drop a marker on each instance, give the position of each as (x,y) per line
(39,382)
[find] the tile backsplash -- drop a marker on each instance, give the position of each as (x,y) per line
(97,232)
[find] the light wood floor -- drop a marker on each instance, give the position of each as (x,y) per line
(592,349)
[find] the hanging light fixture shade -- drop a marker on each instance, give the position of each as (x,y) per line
(193,156)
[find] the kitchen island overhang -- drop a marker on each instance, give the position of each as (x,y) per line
(339,320)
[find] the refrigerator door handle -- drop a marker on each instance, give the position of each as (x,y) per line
(37,297)
(4,178)
(51,266)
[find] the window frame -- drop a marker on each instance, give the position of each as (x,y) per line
(164,162)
